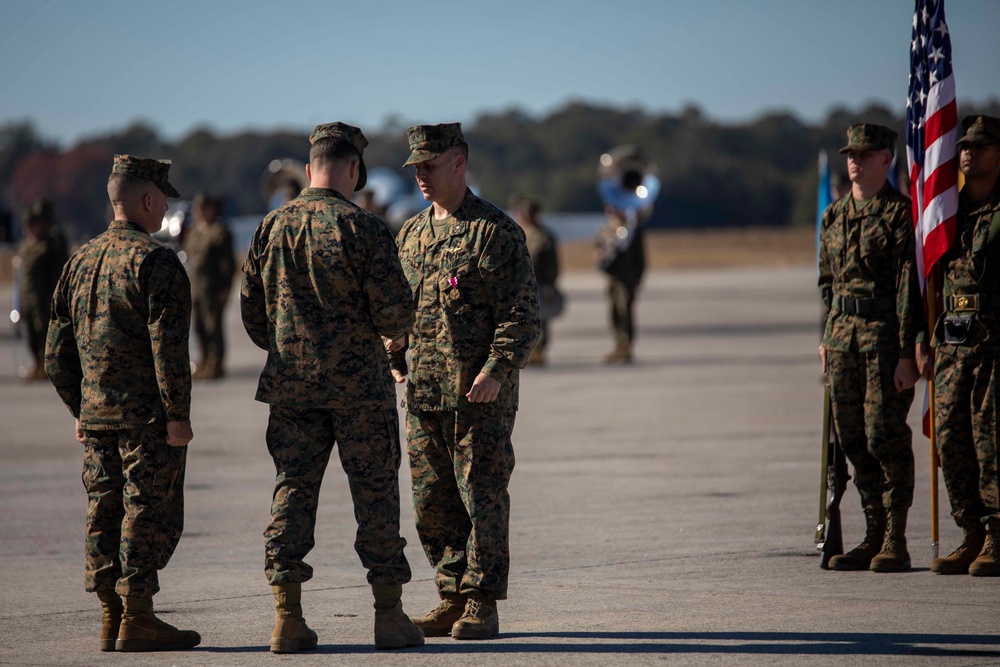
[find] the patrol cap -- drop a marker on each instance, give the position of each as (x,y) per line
(980,130)
(155,171)
(429,141)
(352,135)
(869,137)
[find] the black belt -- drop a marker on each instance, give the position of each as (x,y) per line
(963,303)
(864,305)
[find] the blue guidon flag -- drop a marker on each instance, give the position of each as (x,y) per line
(931,133)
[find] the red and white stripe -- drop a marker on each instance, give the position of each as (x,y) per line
(935,187)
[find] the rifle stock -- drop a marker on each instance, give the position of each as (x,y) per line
(829,537)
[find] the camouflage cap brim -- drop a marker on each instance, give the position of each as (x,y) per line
(419,156)
(981,130)
(169,190)
(979,140)
(362,176)
(859,147)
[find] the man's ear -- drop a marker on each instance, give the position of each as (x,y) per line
(309,174)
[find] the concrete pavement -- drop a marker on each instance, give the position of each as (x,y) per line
(663,512)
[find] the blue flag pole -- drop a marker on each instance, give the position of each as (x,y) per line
(823,196)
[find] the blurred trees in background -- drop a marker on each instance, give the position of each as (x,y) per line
(758,173)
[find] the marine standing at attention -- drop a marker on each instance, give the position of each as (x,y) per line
(967,346)
(874,328)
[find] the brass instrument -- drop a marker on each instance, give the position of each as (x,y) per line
(628,186)
(282,180)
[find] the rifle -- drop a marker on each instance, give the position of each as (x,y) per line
(833,482)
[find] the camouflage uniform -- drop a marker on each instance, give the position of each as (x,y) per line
(211,265)
(322,282)
(966,372)
(477,312)
(42,260)
(545,262)
(117,353)
(623,284)
(868,283)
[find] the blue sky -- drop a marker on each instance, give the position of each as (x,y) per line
(79,68)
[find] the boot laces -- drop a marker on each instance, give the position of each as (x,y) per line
(474,608)
(443,608)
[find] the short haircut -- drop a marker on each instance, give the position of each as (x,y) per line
(126,188)
(329,151)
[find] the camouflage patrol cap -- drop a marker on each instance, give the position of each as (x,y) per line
(429,141)
(352,135)
(869,137)
(983,130)
(155,171)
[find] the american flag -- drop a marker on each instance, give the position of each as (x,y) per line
(931,132)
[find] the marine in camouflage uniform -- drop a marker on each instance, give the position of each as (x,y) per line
(43,254)
(208,245)
(544,254)
(117,353)
(322,282)
(868,283)
(624,278)
(477,323)
(967,343)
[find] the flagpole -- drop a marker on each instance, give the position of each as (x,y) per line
(935,463)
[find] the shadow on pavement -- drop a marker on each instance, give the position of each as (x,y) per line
(725,643)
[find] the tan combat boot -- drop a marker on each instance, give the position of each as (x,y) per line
(393,629)
(141,630)
(438,623)
(480,620)
(959,560)
(893,557)
(622,354)
(860,557)
(291,634)
(210,368)
(988,562)
(111,605)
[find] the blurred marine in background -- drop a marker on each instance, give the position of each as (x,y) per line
(628,186)
(544,254)
(42,253)
(208,246)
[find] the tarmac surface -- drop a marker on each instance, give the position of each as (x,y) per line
(663,512)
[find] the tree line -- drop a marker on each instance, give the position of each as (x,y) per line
(761,172)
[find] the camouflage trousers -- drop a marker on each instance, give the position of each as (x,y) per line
(965,418)
(300,443)
(870,418)
(207,320)
(36,325)
(461,462)
(135,510)
(621,297)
